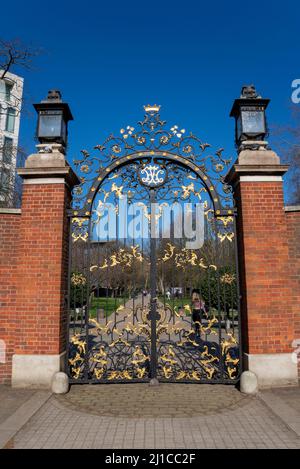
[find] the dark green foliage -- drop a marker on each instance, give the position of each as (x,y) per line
(78,291)
(220,283)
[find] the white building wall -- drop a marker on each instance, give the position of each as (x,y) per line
(14,102)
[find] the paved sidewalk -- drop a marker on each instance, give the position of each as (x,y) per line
(285,403)
(169,416)
(17,406)
(11,400)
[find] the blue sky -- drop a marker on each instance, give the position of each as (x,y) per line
(110,57)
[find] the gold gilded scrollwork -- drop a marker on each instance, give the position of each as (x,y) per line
(79,229)
(224,236)
(230,362)
(168,253)
(228,343)
(226,220)
(185,257)
(121,257)
(139,359)
(227,278)
(76,362)
(114,375)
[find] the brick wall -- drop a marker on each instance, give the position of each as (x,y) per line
(293,227)
(267,316)
(41,296)
(9,253)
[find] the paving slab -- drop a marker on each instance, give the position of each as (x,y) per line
(207,417)
(21,405)
(285,403)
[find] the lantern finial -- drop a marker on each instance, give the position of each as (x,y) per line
(249,92)
(54,94)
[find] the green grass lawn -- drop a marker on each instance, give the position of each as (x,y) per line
(108,304)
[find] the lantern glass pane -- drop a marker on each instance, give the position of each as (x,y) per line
(64,130)
(253,122)
(239,129)
(50,125)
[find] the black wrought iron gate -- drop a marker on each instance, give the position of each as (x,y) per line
(153,290)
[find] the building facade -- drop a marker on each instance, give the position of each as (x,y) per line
(11,92)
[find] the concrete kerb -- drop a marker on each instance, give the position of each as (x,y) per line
(282,410)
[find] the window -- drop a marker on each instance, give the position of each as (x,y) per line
(4,179)
(8,89)
(7,149)
(10,119)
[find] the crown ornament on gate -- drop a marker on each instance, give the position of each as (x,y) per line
(154,108)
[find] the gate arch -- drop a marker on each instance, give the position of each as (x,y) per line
(144,306)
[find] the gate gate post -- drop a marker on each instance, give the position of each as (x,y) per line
(267,316)
(43,268)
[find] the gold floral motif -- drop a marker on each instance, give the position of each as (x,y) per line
(78,279)
(187,190)
(99,372)
(117,189)
(121,257)
(105,329)
(164,139)
(100,357)
(210,324)
(168,371)
(119,375)
(119,340)
(227,278)
(223,236)
(168,357)
(231,372)
(228,343)
(75,372)
(168,252)
(193,375)
(209,371)
(229,359)
(226,220)
(187,149)
(77,358)
(116,149)
(79,343)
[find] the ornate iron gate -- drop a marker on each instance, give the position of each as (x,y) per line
(153,290)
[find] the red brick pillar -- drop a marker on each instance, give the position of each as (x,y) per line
(42,269)
(9,255)
(292,213)
(266,290)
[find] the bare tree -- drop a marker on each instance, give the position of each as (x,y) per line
(10,182)
(287,139)
(15,54)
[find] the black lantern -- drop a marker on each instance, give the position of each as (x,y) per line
(250,117)
(54,116)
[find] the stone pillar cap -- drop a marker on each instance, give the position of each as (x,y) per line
(256,163)
(238,170)
(49,165)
